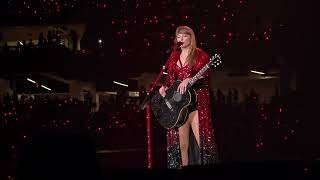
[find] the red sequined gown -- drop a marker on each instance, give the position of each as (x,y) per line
(208,148)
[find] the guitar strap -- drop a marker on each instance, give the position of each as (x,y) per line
(180,63)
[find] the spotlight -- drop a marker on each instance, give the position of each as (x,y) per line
(99,41)
(257,72)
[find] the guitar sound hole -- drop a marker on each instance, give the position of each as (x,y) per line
(177,96)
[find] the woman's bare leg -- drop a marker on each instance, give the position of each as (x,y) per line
(184,142)
(194,121)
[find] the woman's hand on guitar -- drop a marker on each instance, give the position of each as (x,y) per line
(183,86)
(162,91)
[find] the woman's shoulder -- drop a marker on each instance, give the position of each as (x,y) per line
(173,58)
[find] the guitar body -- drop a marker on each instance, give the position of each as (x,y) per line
(172,110)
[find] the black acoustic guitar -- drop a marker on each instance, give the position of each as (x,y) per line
(171,111)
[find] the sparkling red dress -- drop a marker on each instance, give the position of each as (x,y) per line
(207,152)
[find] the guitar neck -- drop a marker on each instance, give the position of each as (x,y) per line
(199,74)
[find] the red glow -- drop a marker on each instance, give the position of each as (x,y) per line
(148,118)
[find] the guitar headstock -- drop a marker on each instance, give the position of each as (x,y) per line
(215,60)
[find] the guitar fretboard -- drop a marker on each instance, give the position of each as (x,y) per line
(214,60)
(198,75)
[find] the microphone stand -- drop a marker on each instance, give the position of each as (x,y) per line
(146,104)
(150,93)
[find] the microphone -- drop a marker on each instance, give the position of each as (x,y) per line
(179,44)
(177,47)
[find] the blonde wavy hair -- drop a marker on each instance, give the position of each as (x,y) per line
(192,53)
